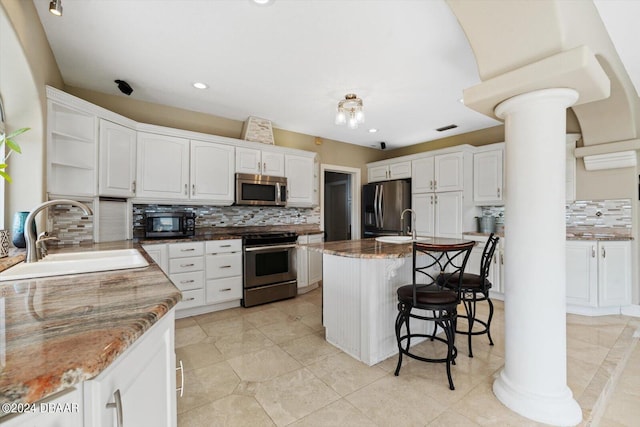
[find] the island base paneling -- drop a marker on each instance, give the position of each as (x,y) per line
(360,305)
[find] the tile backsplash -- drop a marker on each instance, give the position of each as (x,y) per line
(599,213)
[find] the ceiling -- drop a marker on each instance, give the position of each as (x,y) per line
(289,62)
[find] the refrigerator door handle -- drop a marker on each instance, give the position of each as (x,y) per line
(375,206)
(380,204)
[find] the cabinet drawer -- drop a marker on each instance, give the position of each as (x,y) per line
(184,265)
(220,290)
(221,246)
(181,250)
(223,265)
(192,298)
(188,281)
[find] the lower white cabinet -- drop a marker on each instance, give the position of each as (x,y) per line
(496,271)
(309,263)
(209,274)
(137,389)
(599,274)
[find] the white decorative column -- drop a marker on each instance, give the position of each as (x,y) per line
(533,382)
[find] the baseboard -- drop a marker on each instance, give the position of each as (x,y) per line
(631,310)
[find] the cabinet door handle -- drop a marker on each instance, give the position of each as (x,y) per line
(181,369)
(593,251)
(133,187)
(186,190)
(193,189)
(435,200)
(435,184)
(188,250)
(498,191)
(264,167)
(501,259)
(186,265)
(604,253)
(117,404)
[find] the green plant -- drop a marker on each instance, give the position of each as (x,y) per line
(12,146)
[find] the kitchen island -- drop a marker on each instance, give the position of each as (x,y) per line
(77,339)
(360,279)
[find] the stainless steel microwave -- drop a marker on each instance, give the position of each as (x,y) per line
(261,190)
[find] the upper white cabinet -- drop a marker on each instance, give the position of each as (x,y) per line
(117,160)
(572,139)
(212,172)
(301,173)
(163,166)
(439,215)
(488,177)
(259,162)
(440,173)
(394,170)
(72,153)
(599,275)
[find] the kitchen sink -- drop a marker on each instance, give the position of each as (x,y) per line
(76,262)
(400,239)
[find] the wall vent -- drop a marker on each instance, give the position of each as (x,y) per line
(443,128)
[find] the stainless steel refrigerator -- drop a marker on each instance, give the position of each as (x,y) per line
(382,205)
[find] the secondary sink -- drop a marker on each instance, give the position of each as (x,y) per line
(76,262)
(400,239)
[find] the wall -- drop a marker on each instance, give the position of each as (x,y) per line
(27,65)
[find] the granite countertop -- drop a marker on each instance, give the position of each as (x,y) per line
(59,331)
(371,248)
(583,233)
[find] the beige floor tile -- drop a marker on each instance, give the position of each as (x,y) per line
(185,322)
(241,343)
(452,418)
(219,315)
(344,374)
(604,336)
(623,408)
(267,317)
(282,332)
(585,351)
(309,349)
(230,411)
(339,413)
(198,355)
(189,335)
(314,321)
(580,374)
(297,307)
(396,401)
(264,364)
(207,384)
(226,327)
(285,407)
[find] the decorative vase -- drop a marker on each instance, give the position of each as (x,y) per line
(17,232)
(4,243)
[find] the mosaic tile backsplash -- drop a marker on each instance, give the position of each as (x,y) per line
(599,213)
(70,225)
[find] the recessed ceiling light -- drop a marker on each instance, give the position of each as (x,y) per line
(200,85)
(262,2)
(373,130)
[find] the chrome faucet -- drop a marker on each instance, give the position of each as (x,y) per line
(33,255)
(413,222)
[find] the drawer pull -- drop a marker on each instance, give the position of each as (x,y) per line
(117,405)
(225,290)
(187,265)
(187,281)
(188,250)
(190,299)
(225,266)
(225,246)
(181,369)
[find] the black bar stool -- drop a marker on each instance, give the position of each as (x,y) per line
(437,276)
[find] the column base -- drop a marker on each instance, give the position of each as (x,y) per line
(560,410)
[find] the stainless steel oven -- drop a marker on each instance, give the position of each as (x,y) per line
(269,267)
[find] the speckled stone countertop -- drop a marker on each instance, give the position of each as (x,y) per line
(583,233)
(371,248)
(59,331)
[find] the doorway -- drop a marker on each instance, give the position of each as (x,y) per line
(340,205)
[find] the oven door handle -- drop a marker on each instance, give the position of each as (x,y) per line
(268,248)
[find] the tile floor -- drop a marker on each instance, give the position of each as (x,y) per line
(269,365)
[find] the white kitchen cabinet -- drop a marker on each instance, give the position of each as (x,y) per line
(570,181)
(159,253)
(140,385)
(439,173)
(186,271)
(259,162)
(117,160)
(70,399)
(598,275)
(439,214)
(301,172)
(396,170)
(163,167)
(223,268)
(72,154)
(488,177)
(496,270)
(309,263)
(212,172)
